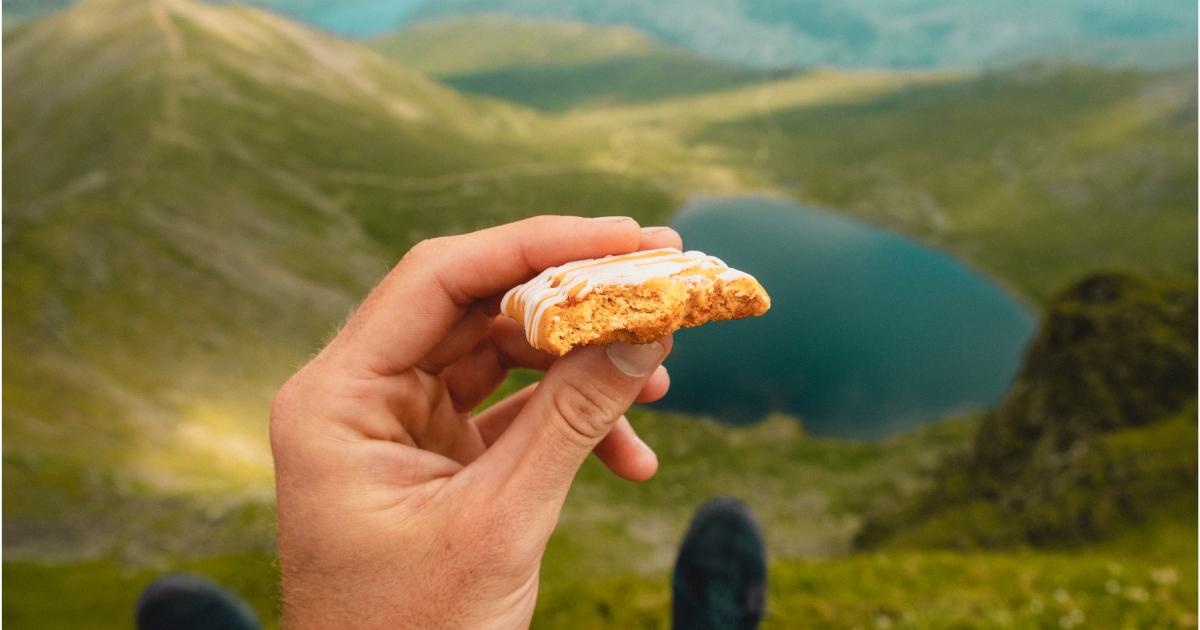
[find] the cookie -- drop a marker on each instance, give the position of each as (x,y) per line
(636,297)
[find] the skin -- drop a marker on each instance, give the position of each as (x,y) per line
(397,508)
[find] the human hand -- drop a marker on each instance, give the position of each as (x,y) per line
(396,508)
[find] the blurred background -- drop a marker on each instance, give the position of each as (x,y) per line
(973,404)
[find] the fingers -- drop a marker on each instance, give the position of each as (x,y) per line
(571,411)
(659,236)
(493,421)
(656,387)
(466,335)
(477,374)
(462,338)
(408,314)
(626,454)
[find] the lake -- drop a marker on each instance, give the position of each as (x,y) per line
(869,332)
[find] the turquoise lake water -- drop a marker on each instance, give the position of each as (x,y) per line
(869,332)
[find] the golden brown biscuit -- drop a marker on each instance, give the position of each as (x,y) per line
(636,297)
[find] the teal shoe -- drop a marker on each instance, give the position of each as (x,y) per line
(720,580)
(186,602)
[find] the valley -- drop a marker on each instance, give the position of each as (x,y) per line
(196,195)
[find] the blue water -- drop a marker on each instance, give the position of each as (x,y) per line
(869,332)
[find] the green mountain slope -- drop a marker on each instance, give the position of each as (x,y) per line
(1096,438)
(864,33)
(558,65)
(348,17)
(790,33)
(1035,175)
(492,42)
(197,197)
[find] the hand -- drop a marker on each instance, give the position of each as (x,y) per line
(396,508)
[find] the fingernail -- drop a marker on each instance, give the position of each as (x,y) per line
(657,229)
(636,359)
(613,219)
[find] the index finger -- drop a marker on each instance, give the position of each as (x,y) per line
(409,312)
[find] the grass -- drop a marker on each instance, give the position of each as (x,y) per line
(1135,587)
(923,589)
(117,536)
(102,593)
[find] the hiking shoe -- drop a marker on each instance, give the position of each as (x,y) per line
(720,580)
(187,602)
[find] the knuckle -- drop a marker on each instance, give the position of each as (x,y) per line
(585,410)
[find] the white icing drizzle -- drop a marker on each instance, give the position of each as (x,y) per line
(530,301)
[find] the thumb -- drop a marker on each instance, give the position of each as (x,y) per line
(580,399)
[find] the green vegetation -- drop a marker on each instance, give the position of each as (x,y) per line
(196,200)
(555,66)
(101,594)
(1151,585)
(1035,176)
(1097,436)
(1151,588)
(627,79)
(494,42)
(866,33)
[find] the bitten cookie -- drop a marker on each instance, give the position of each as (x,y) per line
(636,297)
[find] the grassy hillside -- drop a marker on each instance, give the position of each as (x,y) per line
(191,204)
(860,33)
(812,492)
(625,79)
(349,17)
(492,42)
(1150,585)
(556,66)
(1149,582)
(1096,438)
(1035,175)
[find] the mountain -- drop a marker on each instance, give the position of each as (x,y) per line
(552,65)
(1036,175)
(779,33)
(353,18)
(863,33)
(1097,435)
(17,12)
(493,42)
(192,203)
